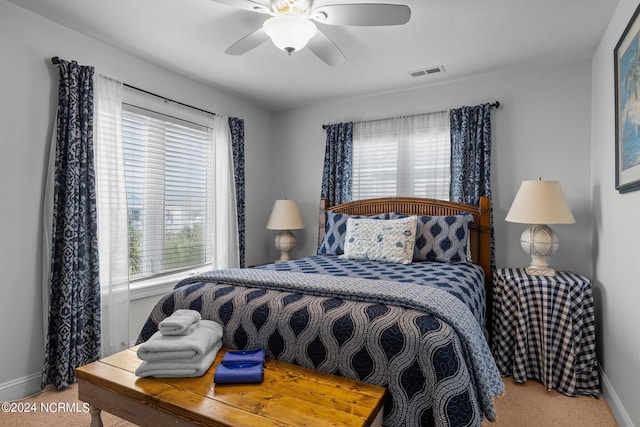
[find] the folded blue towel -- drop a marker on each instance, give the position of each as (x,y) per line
(240,373)
(243,356)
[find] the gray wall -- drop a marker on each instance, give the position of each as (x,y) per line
(616,231)
(28,96)
(548,126)
(541,130)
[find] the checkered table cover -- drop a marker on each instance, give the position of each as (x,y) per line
(544,328)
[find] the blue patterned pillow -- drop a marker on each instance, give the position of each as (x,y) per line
(443,238)
(372,239)
(335,230)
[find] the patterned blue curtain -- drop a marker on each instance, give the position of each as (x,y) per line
(471,157)
(73,337)
(237,141)
(336,175)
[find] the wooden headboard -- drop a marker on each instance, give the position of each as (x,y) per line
(480,229)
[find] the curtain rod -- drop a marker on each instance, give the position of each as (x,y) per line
(56,61)
(492,105)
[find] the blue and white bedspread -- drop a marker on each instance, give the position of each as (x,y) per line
(420,342)
(465,281)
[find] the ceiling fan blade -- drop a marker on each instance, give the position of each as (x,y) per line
(248,42)
(362,14)
(325,49)
(250,5)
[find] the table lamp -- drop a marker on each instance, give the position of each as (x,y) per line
(540,203)
(285,217)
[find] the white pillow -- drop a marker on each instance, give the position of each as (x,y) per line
(389,240)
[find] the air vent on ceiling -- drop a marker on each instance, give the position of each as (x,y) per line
(427,71)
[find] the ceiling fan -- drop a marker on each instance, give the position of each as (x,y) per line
(290,25)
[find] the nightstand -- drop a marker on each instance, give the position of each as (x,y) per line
(544,328)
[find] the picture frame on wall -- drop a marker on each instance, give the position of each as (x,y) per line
(627,95)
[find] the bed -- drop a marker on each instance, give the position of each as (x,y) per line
(416,328)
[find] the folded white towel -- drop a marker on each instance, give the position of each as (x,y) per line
(166,369)
(181,322)
(187,331)
(183,348)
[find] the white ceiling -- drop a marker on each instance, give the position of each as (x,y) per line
(467,37)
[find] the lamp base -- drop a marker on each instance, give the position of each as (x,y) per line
(539,241)
(536,270)
(285,242)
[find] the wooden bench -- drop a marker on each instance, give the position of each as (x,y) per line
(290,395)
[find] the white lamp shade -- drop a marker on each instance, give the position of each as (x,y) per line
(285,216)
(540,202)
(289,32)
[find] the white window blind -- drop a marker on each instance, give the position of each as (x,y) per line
(403,156)
(167,197)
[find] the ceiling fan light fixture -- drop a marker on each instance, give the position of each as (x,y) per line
(299,6)
(289,32)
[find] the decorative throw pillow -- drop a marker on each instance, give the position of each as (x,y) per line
(390,241)
(443,238)
(335,230)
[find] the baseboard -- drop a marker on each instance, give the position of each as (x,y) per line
(20,387)
(619,413)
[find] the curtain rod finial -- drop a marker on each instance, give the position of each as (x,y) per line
(55,60)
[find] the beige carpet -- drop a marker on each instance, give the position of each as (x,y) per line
(531,405)
(522,405)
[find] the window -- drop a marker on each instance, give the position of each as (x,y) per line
(165,161)
(404,156)
(166,191)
